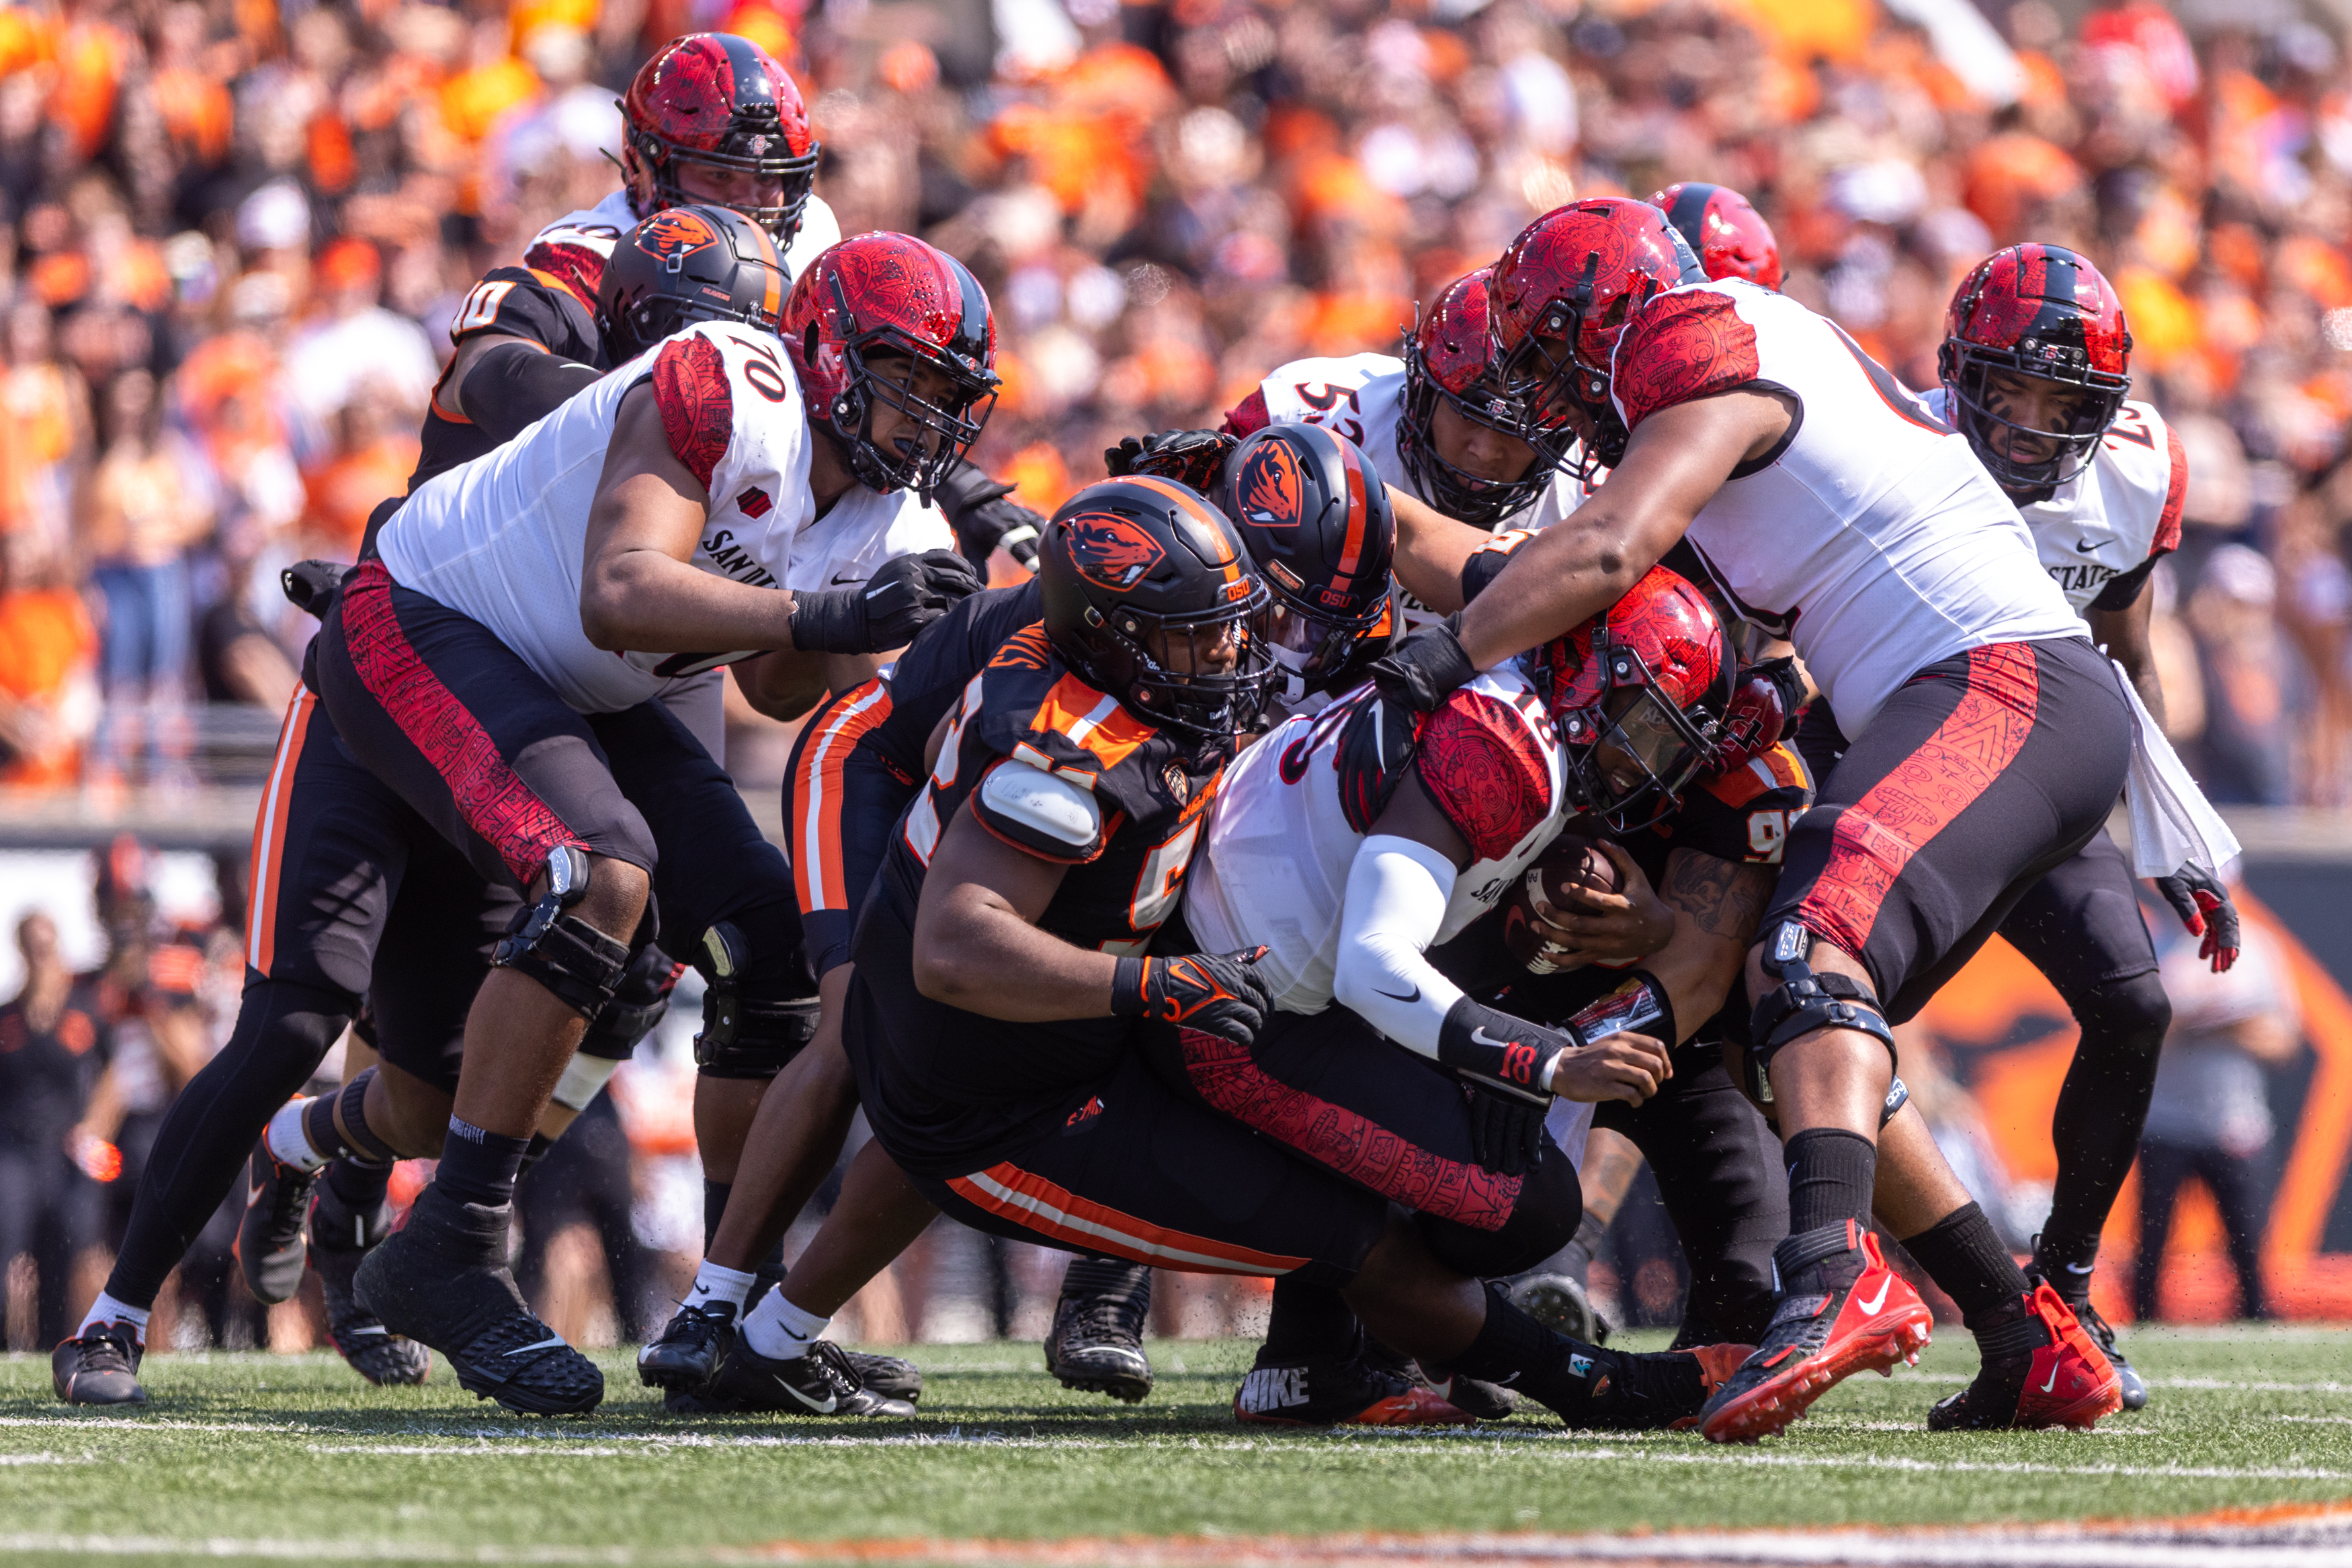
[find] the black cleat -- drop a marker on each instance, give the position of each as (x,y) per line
(1562,1304)
(269,1232)
(2074,1288)
(1333,1392)
(682,1357)
(340,1240)
(822,1382)
(1096,1344)
(98,1366)
(887,1376)
(443,1281)
(1471,1395)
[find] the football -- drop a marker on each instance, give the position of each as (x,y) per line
(1573,861)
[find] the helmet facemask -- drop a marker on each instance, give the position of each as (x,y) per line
(1138,651)
(1545,373)
(1461,495)
(939,433)
(1966,369)
(757,149)
(1313,652)
(1631,754)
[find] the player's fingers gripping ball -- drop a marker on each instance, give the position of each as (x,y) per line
(1534,910)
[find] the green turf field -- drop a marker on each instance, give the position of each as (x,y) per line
(296,1457)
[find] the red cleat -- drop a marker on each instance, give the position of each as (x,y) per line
(2042,1368)
(1822,1335)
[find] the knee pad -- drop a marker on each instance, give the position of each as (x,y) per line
(639,1003)
(1804,1002)
(744,1036)
(2130,1015)
(579,964)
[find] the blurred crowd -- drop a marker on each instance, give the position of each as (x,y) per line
(232,234)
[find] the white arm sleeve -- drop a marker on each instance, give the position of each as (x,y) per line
(1397,893)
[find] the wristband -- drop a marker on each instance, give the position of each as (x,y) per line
(1639,1005)
(1480,1040)
(1127,984)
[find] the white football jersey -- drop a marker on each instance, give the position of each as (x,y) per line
(1273,868)
(1872,538)
(1361,397)
(502,538)
(2119,514)
(576,245)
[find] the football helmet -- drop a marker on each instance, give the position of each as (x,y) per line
(1724,229)
(1450,354)
(1560,299)
(685,264)
(2038,311)
(1140,578)
(1314,517)
(1639,692)
(722,101)
(883,294)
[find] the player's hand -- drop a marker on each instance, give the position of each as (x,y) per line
(1417,673)
(1507,1125)
(1217,993)
(1628,1067)
(1376,747)
(985,519)
(1193,457)
(1610,928)
(905,594)
(2204,906)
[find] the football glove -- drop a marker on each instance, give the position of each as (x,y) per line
(1193,457)
(978,507)
(1507,1125)
(906,593)
(1502,1062)
(2204,906)
(1217,993)
(1419,671)
(1376,747)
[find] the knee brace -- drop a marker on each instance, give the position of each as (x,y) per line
(639,1003)
(746,1037)
(578,964)
(1804,1002)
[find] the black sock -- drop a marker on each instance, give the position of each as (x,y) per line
(478,1165)
(1968,1260)
(2102,1107)
(1514,1349)
(1305,1322)
(1830,1172)
(359,1185)
(336,1123)
(714,1207)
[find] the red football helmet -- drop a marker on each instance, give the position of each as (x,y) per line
(1560,298)
(881,294)
(1639,692)
(1450,354)
(1728,235)
(2045,312)
(722,101)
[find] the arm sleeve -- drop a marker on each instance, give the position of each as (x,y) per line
(1248,416)
(514,385)
(1397,891)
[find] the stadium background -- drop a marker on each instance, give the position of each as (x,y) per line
(235,233)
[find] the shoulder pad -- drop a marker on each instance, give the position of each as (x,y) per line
(1041,812)
(522,302)
(1046,715)
(1482,764)
(1683,345)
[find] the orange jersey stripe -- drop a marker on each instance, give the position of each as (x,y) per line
(1779,768)
(270,832)
(1087,718)
(1032,1202)
(817,793)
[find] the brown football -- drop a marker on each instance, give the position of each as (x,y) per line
(1573,860)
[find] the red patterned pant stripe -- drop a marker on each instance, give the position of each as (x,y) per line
(1344,1141)
(490,796)
(1878,834)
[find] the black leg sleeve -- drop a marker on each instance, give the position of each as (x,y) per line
(2101,1106)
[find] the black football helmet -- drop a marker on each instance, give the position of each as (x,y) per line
(1141,578)
(685,264)
(1315,518)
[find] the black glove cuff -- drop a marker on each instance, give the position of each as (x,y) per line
(1426,666)
(1479,1042)
(1126,983)
(830,622)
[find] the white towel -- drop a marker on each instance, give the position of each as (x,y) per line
(2172,823)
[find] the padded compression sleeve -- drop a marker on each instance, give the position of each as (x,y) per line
(1397,891)
(517,384)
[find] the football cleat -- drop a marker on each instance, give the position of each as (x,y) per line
(1829,1327)
(1659,1391)
(443,1281)
(2040,1369)
(1562,1304)
(1096,1344)
(887,1376)
(1350,1393)
(270,1233)
(98,1366)
(682,1357)
(1471,1395)
(339,1238)
(822,1382)
(2075,1291)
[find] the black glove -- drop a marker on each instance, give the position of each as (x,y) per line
(984,519)
(906,593)
(1419,671)
(2204,906)
(1216,993)
(1193,457)
(1502,1062)
(1507,1125)
(1376,748)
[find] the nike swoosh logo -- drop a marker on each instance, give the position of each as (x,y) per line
(2052,1383)
(840,580)
(825,1409)
(1391,996)
(2082,548)
(2080,1267)
(1870,1308)
(551,1341)
(1478,1036)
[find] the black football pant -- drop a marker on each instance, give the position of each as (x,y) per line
(48,1210)
(2235,1181)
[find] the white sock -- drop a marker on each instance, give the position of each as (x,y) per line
(781,1331)
(106,1309)
(288,1141)
(715,1282)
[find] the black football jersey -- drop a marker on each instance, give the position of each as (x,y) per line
(555,310)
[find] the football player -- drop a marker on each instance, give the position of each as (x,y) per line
(1830,505)
(1724,230)
(497,663)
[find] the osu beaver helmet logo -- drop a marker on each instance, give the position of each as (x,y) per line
(1109,550)
(1270,489)
(672,234)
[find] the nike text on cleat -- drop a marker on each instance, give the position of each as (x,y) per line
(1096,1344)
(1350,1393)
(270,1232)
(98,1366)
(340,1240)
(1835,1319)
(682,1357)
(822,1382)
(2042,1368)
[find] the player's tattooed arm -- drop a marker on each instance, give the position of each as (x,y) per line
(1717,906)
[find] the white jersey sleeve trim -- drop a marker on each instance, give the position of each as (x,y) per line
(1397,893)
